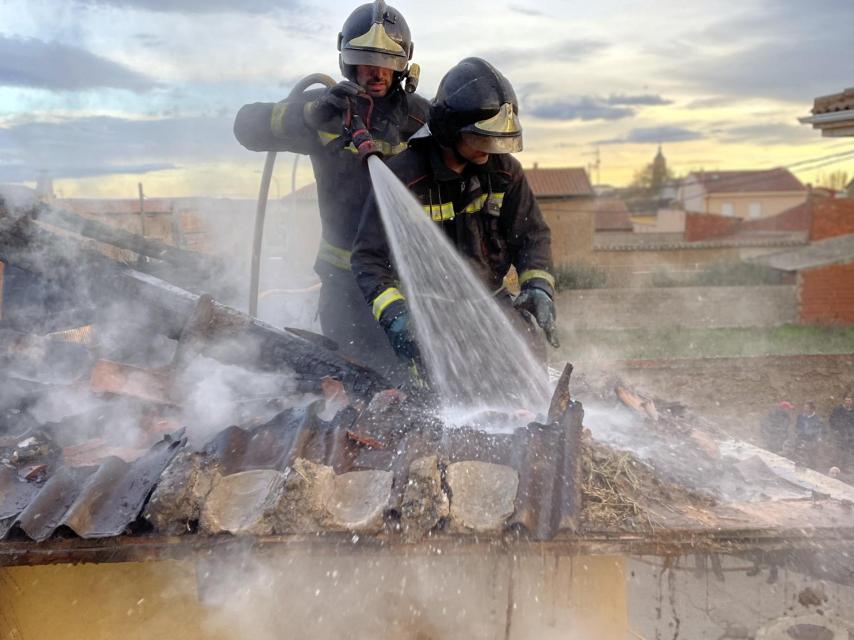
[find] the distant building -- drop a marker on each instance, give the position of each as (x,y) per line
(825,267)
(659,172)
(833,115)
(741,194)
(567,201)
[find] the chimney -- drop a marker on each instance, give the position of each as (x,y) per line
(536,165)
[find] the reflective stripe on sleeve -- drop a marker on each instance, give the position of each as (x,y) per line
(532,274)
(277,119)
(382,301)
(336,256)
(385,148)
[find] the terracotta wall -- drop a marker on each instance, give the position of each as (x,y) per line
(826,295)
(832,217)
(701,226)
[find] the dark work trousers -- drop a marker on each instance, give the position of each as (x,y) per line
(346,318)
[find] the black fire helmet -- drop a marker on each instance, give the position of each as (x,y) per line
(375,34)
(477,104)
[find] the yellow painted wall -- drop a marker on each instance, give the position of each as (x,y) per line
(772,203)
(280,596)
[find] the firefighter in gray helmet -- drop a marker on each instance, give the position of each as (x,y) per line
(378,93)
(463,174)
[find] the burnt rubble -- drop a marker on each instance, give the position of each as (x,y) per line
(333,450)
(96,439)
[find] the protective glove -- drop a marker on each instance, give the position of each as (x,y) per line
(540,305)
(331,103)
(402,338)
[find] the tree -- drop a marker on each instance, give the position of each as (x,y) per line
(835,180)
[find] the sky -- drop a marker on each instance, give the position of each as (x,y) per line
(103,94)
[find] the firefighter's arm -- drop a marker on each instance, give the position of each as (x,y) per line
(280,126)
(530,246)
(529,237)
(371,265)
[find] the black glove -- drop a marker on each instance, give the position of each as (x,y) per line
(540,305)
(402,338)
(331,103)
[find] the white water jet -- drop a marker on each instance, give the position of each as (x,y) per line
(475,358)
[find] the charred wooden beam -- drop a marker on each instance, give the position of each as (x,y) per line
(228,335)
(216,330)
(126,240)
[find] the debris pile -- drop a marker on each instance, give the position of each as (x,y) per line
(97,437)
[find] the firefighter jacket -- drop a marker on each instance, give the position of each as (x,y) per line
(488,212)
(343,182)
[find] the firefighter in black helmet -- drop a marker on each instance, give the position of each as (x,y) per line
(375,52)
(461,170)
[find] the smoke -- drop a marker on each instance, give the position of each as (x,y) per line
(86,362)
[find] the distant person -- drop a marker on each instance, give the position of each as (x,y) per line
(462,173)
(774,427)
(376,48)
(841,425)
(809,431)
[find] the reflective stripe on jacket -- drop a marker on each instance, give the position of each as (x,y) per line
(342,179)
(488,212)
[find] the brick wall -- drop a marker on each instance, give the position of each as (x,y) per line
(832,217)
(826,295)
(701,226)
(573,225)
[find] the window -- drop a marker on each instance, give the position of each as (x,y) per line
(755,209)
(727,209)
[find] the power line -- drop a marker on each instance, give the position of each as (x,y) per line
(737,181)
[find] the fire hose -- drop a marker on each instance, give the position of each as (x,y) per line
(264,191)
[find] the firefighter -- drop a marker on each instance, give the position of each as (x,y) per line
(461,170)
(375,51)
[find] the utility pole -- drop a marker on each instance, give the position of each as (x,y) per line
(596,165)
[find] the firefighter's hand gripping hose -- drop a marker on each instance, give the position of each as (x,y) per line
(334,101)
(540,305)
(362,139)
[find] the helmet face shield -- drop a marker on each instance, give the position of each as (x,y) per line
(355,57)
(493,143)
(502,133)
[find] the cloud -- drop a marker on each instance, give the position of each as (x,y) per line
(517,8)
(767,134)
(25,173)
(198,6)
(644,99)
(785,49)
(572,50)
(101,145)
(614,107)
(27,62)
(579,108)
(656,135)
